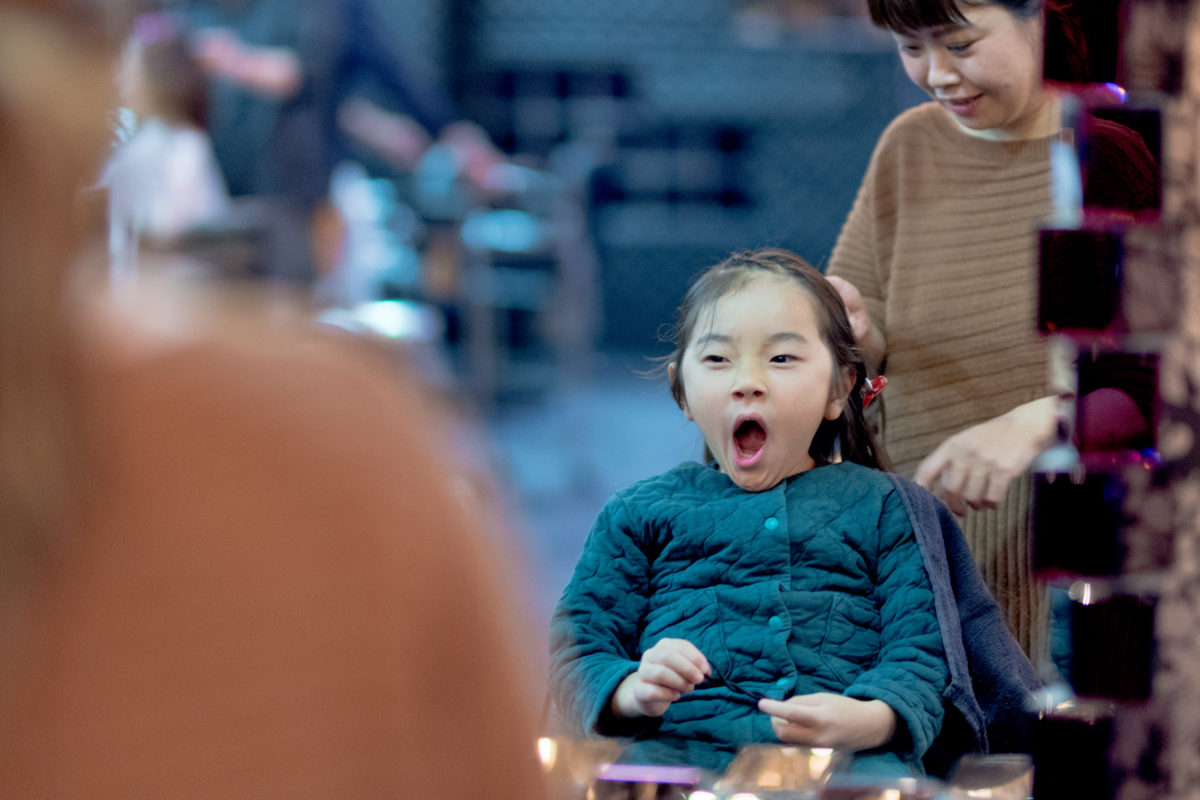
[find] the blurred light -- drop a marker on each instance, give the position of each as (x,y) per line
(547,751)
(391,319)
(506,230)
(819,761)
(399,319)
(1084,592)
(701,795)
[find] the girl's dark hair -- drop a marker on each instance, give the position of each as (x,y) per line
(848,435)
(1066,58)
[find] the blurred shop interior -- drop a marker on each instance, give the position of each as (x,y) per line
(640,142)
(661,135)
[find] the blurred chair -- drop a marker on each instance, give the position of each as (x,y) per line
(513,295)
(511,259)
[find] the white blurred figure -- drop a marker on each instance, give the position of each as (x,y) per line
(163,180)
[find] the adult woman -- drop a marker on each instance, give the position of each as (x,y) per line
(937,265)
(226,552)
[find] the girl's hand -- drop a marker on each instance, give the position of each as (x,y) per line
(974,467)
(668,670)
(831,720)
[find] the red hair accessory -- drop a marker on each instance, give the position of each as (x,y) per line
(872,387)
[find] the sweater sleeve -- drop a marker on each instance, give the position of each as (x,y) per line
(595,627)
(911,672)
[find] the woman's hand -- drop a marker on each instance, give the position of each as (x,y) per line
(831,720)
(867,335)
(668,670)
(856,309)
(974,467)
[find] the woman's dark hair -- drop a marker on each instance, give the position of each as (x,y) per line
(1066,58)
(906,16)
(848,435)
(174,76)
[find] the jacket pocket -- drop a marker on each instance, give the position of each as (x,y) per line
(851,643)
(692,615)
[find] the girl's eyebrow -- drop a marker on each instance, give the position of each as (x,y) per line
(720,338)
(790,336)
(711,338)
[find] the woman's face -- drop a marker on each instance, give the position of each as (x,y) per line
(987,72)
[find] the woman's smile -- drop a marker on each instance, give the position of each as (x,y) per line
(962,106)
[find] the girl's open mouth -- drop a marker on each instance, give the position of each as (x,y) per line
(749,437)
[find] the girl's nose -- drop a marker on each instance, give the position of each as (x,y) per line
(941,71)
(748,383)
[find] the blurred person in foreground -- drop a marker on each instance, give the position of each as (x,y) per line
(232,562)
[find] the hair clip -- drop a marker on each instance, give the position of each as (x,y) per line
(872,387)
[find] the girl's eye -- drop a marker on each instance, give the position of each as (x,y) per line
(783,358)
(959,48)
(712,358)
(910,48)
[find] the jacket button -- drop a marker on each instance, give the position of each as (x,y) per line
(783,682)
(771,523)
(775,622)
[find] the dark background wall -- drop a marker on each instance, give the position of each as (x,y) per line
(708,135)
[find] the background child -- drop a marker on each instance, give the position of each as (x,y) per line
(776,593)
(164,179)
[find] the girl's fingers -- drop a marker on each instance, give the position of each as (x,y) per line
(688,651)
(657,693)
(663,675)
(689,669)
(653,700)
(781,710)
(681,656)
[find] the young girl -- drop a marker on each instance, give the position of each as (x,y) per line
(776,593)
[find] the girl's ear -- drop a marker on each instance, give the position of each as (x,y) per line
(839,392)
(671,372)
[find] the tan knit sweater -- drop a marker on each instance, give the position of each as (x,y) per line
(941,242)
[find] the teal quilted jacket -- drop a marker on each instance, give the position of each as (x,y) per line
(817,585)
